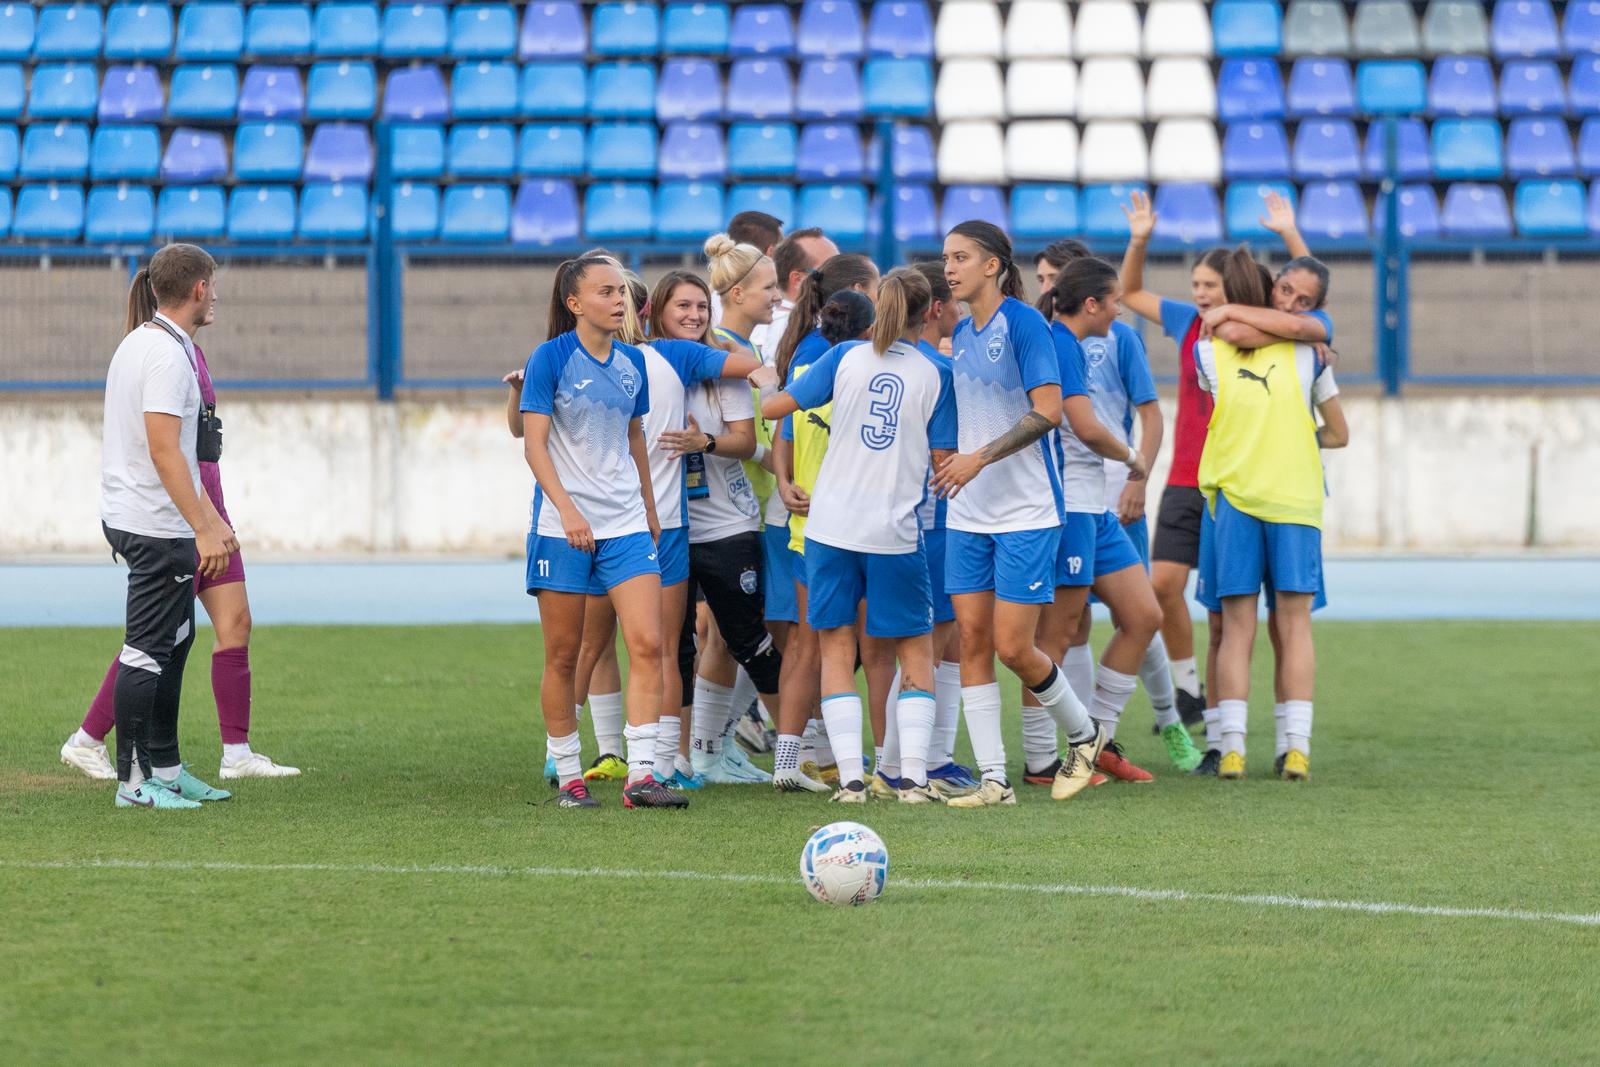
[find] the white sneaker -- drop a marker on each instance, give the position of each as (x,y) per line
(90,759)
(255,765)
(797,782)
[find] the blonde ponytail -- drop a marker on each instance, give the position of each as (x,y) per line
(903,299)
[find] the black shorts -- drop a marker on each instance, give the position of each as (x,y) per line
(161,577)
(728,573)
(1178,525)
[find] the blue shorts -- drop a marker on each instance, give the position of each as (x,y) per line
(1239,554)
(933,542)
(1018,566)
(897,590)
(1092,546)
(778,566)
(1139,535)
(672,553)
(556,566)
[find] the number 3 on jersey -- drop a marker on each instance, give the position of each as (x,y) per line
(883,413)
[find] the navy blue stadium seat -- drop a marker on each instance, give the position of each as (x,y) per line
(1245,203)
(415,94)
(693,151)
(1102,205)
(277,30)
(17,23)
(1044,212)
(761,149)
(194,157)
(138,31)
(1255,150)
(1522,28)
(346,29)
(900,28)
(11,151)
(1463,86)
(485,89)
(345,90)
(624,90)
(830,29)
(261,213)
(1580,32)
(1531,87)
(204,92)
(1333,211)
(60,91)
(67,31)
(830,152)
(12,93)
(1539,148)
(625,28)
(1249,89)
(545,213)
(829,90)
(273,93)
(118,213)
(619,211)
(1467,148)
(1550,209)
(1414,161)
(198,211)
(1589,148)
(339,152)
(1418,214)
(841,210)
(555,149)
(333,211)
(761,30)
(475,213)
(555,90)
(268,152)
(775,200)
(898,86)
(915,218)
(552,30)
(1475,209)
(1583,89)
(688,89)
(483,31)
(211,31)
(759,89)
(687,211)
(622,150)
(912,159)
(55,152)
(1246,28)
(1321,87)
(48,212)
(1326,149)
(482,151)
(416,150)
(131,94)
(1188,213)
(1391,87)
(416,31)
(414,211)
(695,29)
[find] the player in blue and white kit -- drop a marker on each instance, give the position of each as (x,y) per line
(892,409)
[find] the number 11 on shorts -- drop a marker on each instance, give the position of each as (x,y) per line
(544,568)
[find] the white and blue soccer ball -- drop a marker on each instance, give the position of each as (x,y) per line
(845,863)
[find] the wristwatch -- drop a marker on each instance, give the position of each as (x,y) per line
(711,445)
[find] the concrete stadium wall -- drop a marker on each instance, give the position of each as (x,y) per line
(331,477)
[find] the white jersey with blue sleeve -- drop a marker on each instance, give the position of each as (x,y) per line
(672,367)
(889,413)
(933,512)
(1083,473)
(590,404)
(995,365)
(1119,382)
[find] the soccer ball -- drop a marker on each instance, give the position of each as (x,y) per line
(844,863)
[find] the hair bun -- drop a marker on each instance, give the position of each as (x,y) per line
(718,245)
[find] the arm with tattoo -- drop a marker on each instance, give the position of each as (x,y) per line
(961,468)
(1030,428)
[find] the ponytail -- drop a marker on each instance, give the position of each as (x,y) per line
(903,299)
(633,326)
(1244,281)
(1080,280)
(994,242)
(568,276)
(843,271)
(141,301)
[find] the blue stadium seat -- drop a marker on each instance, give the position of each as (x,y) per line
(486,151)
(339,152)
(1550,209)
(898,86)
(414,94)
(1474,209)
(695,29)
(415,31)
(211,31)
(829,90)
(48,212)
(1188,213)
(913,157)
(625,28)
(261,213)
(485,89)
(1589,148)
(5,210)
(687,211)
(900,28)
(414,212)
(1044,212)
(759,89)
(483,31)
(622,90)
(1419,212)
(545,213)
(774,200)
(17,23)
(1539,148)
(1245,203)
(555,90)
(120,213)
(551,149)
(829,152)
(204,92)
(67,31)
(333,211)
(1580,32)
(1246,28)
(55,152)
(475,213)
(761,30)
(268,152)
(1102,209)
(1583,90)
(1531,88)
(349,90)
(1391,87)
(273,93)
(1249,89)
(761,149)
(1255,150)
(1463,86)
(622,150)
(12,94)
(618,211)
(1593,212)
(194,157)
(277,30)
(191,211)
(1467,148)
(137,31)
(693,151)
(11,152)
(131,94)
(552,30)
(1521,28)
(1326,149)
(841,210)
(1332,211)
(830,29)
(689,89)
(57,91)
(915,218)
(1414,160)
(346,29)
(1321,87)
(416,150)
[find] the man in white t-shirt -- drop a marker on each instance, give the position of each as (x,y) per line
(158,518)
(796,256)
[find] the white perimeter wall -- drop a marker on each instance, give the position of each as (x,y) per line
(328,477)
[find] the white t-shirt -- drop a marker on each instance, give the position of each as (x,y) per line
(766,337)
(730,507)
(673,367)
(151,372)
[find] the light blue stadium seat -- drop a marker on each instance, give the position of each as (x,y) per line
(278,30)
(414,211)
(555,149)
(68,31)
(1321,87)
(553,30)
(689,89)
(1414,160)
(12,94)
(48,212)
(1418,214)
(1550,209)
(830,29)
(1326,148)
(1522,28)
(416,94)
(619,211)
(1255,150)
(1539,148)
(17,23)
(57,91)
(829,90)
(1589,148)
(1475,209)
(1592,215)
(687,211)
(1044,212)
(120,213)
(194,157)
(1246,28)
(484,89)
(347,29)
(693,151)
(759,89)
(625,28)
(415,31)
(775,200)
(1461,86)
(912,159)
(1187,213)
(624,90)
(268,152)
(5,211)
(339,152)
(900,28)
(131,94)
(261,213)
(204,92)
(841,210)
(333,211)
(761,149)
(1332,211)
(56,151)
(1391,87)
(829,152)
(545,213)
(10,152)
(476,213)
(1249,89)
(555,90)
(1531,87)
(276,93)
(761,30)
(1583,89)
(211,31)
(898,87)
(139,30)
(1467,148)
(622,150)
(482,151)
(416,150)
(1580,32)
(695,29)
(198,211)
(1103,218)
(915,218)
(1245,203)
(483,31)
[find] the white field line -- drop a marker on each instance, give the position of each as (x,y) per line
(1259,900)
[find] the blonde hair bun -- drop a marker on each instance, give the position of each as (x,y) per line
(718,245)
(730,262)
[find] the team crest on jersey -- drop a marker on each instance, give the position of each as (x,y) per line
(997,348)
(1096,353)
(630,384)
(747,581)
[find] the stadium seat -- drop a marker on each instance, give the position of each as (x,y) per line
(1112,152)
(138,31)
(117,154)
(759,89)
(829,29)
(1103,218)
(17,24)
(898,87)
(1583,89)
(204,92)
(261,213)
(411,94)
(1473,209)
(415,31)
(761,30)
(688,89)
(210,31)
(1249,89)
(1332,211)
(1181,88)
(775,200)
(483,31)
(841,210)
(1107,28)
(194,157)
(1462,86)
(761,149)
(1044,212)
(416,151)
(1589,148)
(968,28)
(349,90)
(1550,209)
(48,212)
(622,150)
(970,89)
(618,211)
(1188,213)
(339,152)
(901,29)
(1185,150)
(1245,203)
(1316,28)
(625,29)
(475,213)
(1525,28)
(1414,160)
(1256,150)
(333,211)
(971,153)
(1110,89)
(1418,212)
(485,89)
(1580,32)
(277,30)
(554,149)
(622,90)
(268,152)
(272,93)
(55,152)
(687,211)
(1246,28)
(1539,148)
(1452,29)
(912,159)
(120,213)
(1039,29)
(693,151)
(1177,28)
(1385,28)
(198,211)
(131,94)
(691,29)
(829,152)
(1043,88)
(554,90)
(67,31)
(964,202)
(1467,148)
(1531,88)
(829,90)
(1042,150)
(545,213)
(1592,214)
(57,91)
(915,219)
(1321,88)
(551,30)
(11,151)
(1391,87)
(346,29)
(414,212)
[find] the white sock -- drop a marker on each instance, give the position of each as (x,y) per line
(713,707)
(1156,674)
(877,756)
(609,717)
(566,752)
(824,746)
(1038,738)
(641,742)
(167,774)
(683,766)
(83,740)
(1079,665)
(786,757)
(1064,706)
(1111,692)
(135,777)
(808,741)
(1213,718)
(886,758)
(1235,715)
(668,731)
(1280,728)
(744,692)
(1186,675)
(235,753)
(946,713)
(981,705)
(841,714)
(1298,714)
(914,710)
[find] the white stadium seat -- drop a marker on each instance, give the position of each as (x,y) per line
(971,152)
(1177,28)
(1113,152)
(967,28)
(1038,28)
(969,89)
(1042,150)
(1181,88)
(1110,89)
(1044,88)
(1107,28)
(1185,150)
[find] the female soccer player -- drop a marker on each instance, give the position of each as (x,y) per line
(226,604)
(892,407)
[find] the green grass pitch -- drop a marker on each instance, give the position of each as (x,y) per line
(397,903)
